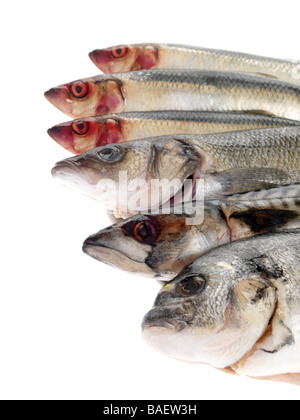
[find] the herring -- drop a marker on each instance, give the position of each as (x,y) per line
(122,58)
(178,90)
(83,134)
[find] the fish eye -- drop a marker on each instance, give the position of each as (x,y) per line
(80,127)
(110,154)
(79,89)
(144,232)
(119,52)
(191,285)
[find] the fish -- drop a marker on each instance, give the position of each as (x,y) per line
(123,58)
(83,134)
(236,306)
(133,177)
(177,90)
(161,245)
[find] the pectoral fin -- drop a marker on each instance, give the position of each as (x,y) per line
(281,335)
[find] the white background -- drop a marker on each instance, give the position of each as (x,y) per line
(69,325)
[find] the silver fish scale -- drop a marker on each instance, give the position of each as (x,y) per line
(219,79)
(268,148)
(238,118)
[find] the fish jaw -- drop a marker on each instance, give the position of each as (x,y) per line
(64,136)
(61,98)
(123,58)
(80,135)
(106,247)
(88,97)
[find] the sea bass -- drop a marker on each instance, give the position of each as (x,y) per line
(184,90)
(124,58)
(236,306)
(133,177)
(162,245)
(83,134)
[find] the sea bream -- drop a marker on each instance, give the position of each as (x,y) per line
(122,58)
(236,306)
(83,134)
(133,177)
(161,245)
(178,90)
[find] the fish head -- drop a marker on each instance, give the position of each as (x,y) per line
(81,135)
(210,313)
(124,58)
(131,177)
(88,97)
(157,245)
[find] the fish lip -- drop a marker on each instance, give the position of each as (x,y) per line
(54,133)
(100,59)
(92,56)
(114,257)
(50,94)
(62,135)
(60,97)
(156,319)
(64,165)
(157,324)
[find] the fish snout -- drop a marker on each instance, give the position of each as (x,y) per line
(60,97)
(63,135)
(101,59)
(170,317)
(66,167)
(98,239)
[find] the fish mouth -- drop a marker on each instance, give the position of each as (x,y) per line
(60,98)
(101,59)
(169,318)
(62,135)
(66,167)
(115,258)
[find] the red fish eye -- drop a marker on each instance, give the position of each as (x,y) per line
(80,127)
(119,52)
(79,89)
(144,231)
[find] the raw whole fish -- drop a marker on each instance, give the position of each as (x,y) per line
(133,177)
(183,90)
(124,58)
(83,134)
(236,306)
(162,245)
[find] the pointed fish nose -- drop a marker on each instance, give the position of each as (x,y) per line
(54,133)
(98,239)
(60,97)
(101,59)
(94,56)
(63,135)
(51,94)
(90,241)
